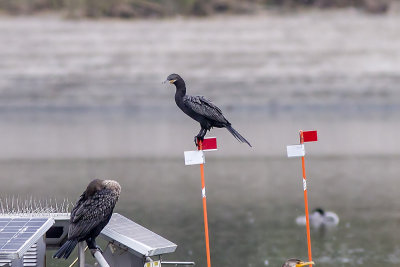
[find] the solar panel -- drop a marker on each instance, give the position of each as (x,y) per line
(17,235)
(137,238)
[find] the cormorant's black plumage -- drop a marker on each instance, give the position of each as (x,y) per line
(90,215)
(202,110)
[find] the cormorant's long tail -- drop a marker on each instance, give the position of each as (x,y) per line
(237,135)
(66,249)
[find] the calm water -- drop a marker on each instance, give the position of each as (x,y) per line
(252,204)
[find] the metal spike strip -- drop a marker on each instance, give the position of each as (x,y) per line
(13,205)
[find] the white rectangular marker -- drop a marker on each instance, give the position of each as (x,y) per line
(194,157)
(296,151)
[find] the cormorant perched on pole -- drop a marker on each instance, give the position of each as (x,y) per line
(202,110)
(296,263)
(90,215)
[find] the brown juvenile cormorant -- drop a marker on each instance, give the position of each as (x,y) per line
(202,110)
(296,263)
(90,215)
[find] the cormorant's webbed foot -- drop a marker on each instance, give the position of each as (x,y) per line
(93,250)
(99,249)
(93,247)
(197,140)
(200,137)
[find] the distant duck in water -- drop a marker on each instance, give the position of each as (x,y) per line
(296,263)
(319,218)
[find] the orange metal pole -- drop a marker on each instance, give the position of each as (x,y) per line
(203,192)
(306,201)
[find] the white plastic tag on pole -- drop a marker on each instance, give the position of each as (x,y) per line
(194,157)
(296,151)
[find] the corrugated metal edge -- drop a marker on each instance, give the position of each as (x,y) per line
(126,241)
(164,250)
(143,249)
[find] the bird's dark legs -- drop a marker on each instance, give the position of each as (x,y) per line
(200,136)
(91,242)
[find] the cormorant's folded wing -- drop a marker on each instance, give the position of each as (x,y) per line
(205,107)
(78,209)
(90,212)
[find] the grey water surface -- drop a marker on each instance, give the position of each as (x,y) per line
(252,204)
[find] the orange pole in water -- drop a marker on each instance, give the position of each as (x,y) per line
(306,201)
(203,193)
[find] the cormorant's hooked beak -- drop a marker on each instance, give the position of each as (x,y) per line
(170,81)
(302,263)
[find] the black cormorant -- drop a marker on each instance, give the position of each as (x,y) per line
(90,215)
(202,110)
(296,263)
